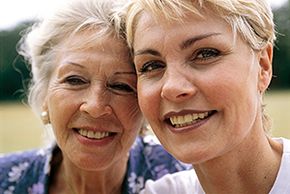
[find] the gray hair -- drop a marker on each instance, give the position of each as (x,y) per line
(40,44)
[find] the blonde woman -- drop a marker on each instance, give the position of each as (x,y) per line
(202,70)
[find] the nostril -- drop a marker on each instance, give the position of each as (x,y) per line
(96,109)
(183,95)
(108,109)
(178,88)
(177,94)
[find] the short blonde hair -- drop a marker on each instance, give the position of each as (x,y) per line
(252,19)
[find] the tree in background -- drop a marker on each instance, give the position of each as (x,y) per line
(14,73)
(281,63)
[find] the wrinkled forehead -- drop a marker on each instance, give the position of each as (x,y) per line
(87,44)
(88,39)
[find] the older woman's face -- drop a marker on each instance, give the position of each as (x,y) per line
(92,102)
(197,85)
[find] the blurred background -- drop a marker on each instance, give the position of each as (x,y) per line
(21,129)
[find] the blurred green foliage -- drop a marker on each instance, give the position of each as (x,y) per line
(15,74)
(281,61)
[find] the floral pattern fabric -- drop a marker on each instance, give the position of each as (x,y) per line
(28,171)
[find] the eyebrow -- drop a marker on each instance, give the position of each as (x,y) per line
(184,45)
(187,43)
(116,73)
(73,64)
(147,51)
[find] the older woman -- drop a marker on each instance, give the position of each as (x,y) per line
(84,87)
(203,67)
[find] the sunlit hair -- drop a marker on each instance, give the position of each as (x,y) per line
(251,19)
(40,44)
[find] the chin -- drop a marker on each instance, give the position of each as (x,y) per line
(190,156)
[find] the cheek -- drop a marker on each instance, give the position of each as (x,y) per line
(234,95)
(128,112)
(148,98)
(230,93)
(131,120)
(60,109)
(227,83)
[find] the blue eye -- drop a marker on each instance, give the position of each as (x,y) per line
(151,66)
(75,80)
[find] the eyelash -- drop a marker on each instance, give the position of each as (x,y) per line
(121,88)
(75,80)
(200,55)
(209,53)
(151,66)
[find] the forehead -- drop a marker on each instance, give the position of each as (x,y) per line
(91,38)
(86,48)
(91,42)
(205,15)
(149,26)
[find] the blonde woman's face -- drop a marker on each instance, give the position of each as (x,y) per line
(198,85)
(92,102)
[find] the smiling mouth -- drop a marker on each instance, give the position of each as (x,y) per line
(188,119)
(98,135)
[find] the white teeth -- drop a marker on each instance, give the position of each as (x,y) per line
(201,116)
(180,121)
(93,134)
(83,132)
(187,118)
(173,119)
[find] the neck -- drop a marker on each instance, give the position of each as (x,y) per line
(71,179)
(252,167)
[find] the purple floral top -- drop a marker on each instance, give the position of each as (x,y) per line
(28,172)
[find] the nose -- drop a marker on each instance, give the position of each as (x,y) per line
(96,103)
(177,87)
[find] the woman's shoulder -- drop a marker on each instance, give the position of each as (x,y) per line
(281,184)
(285,144)
(184,182)
(22,169)
(27,156)
(20,157)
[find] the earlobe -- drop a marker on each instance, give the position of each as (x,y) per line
(265,62)
(45,114)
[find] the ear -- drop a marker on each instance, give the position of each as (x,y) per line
(265,62)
